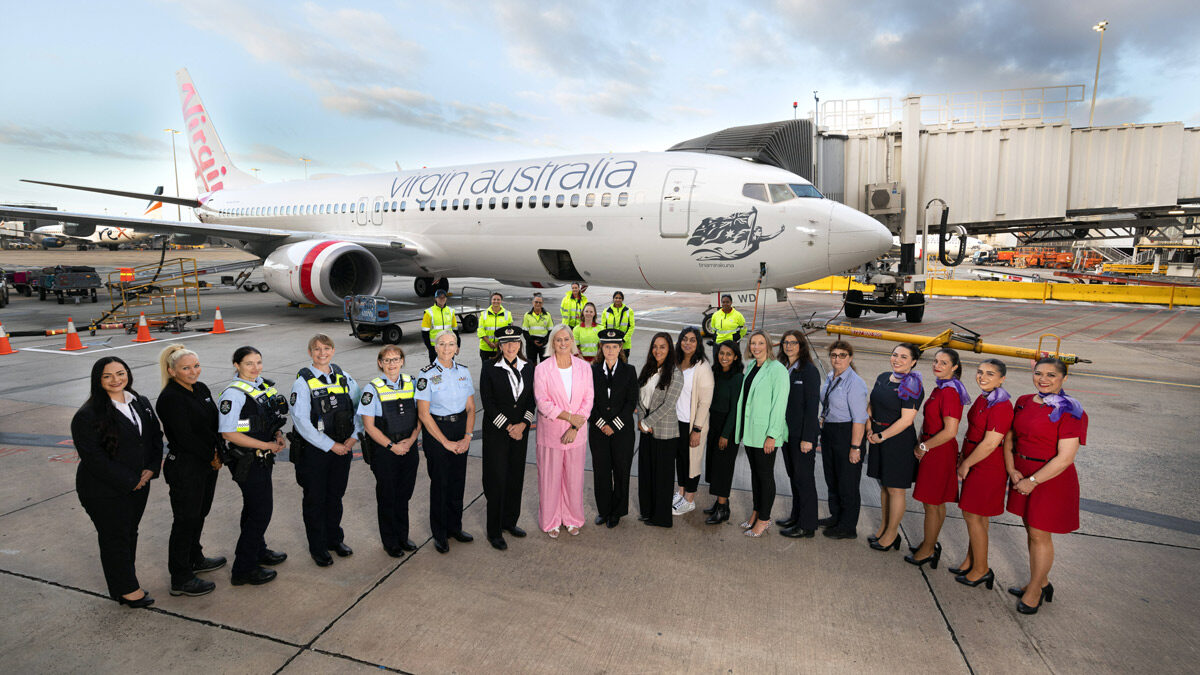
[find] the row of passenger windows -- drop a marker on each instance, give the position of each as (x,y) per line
(590,199)
(778,192)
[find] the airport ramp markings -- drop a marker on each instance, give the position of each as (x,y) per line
(92,349)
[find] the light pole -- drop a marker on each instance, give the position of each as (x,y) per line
(1099,28)
(306,161)
(175,164)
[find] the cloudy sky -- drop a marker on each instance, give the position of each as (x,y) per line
(362,86)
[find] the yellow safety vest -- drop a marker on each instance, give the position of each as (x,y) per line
(385,392)
(537,325)
(572,309)
(269,392)
(587,338)
(337,387)
(438,319)
(622,320)
(488,323)
(731,326)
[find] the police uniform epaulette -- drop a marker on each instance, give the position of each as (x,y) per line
(429,367)
(270,383)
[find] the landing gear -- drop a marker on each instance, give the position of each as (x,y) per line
(914,307)
(443,284)
(424,286)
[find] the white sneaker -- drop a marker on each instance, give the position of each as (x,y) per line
(684,507)
(676,499)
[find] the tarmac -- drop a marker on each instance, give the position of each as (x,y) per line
(694,598)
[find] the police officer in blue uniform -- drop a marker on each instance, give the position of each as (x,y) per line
(251,414)
(506,391)
(389,446)
(324,433)
(446,407)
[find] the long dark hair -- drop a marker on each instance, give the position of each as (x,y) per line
(954,360)
(737,366)
(804,357)
(651,367)
(697,356)
(100,404)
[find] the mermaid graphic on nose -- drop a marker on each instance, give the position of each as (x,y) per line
(731,237)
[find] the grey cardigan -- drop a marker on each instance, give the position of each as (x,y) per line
(660,415)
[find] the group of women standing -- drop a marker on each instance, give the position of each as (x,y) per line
(691,415)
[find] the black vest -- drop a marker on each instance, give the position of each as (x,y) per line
(332,409)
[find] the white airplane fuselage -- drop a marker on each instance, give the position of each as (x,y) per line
(102,236)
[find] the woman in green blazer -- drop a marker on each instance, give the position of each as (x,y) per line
(759,421)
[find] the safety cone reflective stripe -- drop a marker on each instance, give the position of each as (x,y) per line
(5,348)
(218,324)
(73,343)
(143,334)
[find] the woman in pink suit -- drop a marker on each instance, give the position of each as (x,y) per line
(562,387)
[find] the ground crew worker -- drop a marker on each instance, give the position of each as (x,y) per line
(536,324)
(390,428)
(495,317)
(619,316)
(587,333)
(324,433)
(436,319)
(446,407)
(727,324)
(572,306)
(251,414)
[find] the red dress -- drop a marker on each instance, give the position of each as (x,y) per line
(985,484)
(937,474)
(1053,506)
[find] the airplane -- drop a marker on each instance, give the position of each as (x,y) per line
(58,236)
(668,221)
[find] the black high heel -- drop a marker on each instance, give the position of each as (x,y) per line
(932,560)
(988,579)
(959,570)
(1047,595)
(1047,591)
(894,545)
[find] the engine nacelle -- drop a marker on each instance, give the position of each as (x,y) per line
(52,242)
(322,272)
(189,239)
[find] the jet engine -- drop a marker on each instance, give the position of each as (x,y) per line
(322,272)
(53,242)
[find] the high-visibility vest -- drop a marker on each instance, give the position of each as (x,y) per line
(399,410)
(537,325)
(731,326)
(587,338)
(622,319)
(572,309)
(438,319)
(488,323)
(269,413)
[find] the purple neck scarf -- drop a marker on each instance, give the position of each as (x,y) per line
(910,385)
(997,395)
(954,383)
(1061,404)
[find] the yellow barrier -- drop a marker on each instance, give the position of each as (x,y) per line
(1020,290)
(1127,269)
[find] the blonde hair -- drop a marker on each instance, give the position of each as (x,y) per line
(766,336)
(570,331)
(319,338)
(169,357)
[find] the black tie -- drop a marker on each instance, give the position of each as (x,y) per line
(828,391)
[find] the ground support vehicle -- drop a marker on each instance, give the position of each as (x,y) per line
(370,317)
(73,281)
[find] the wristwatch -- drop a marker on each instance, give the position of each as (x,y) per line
(856,447)
(1032,479)
(695,430)
(923,448)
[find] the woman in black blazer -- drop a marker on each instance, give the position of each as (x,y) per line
(506,390)
(610,427)
(189,419)
(119,442)
(804,398)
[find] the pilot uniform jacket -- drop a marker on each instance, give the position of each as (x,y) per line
(614,408)
(702,393)
(500,409)
(105,477)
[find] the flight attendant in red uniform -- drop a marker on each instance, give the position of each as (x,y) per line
(984,480)
(1039,454)
(937,474)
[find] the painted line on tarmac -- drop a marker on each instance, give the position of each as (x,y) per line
(1190,331)
(1139,516)
(95,349)
(37,440)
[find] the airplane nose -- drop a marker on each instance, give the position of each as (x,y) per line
(855,238)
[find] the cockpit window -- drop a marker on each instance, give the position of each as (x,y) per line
(780,192)
(755,191)
(806,191)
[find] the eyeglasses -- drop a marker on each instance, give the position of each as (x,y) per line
(839,355)
(790,343)
(393,359)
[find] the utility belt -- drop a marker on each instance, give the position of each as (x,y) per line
(449,418)
(239,460)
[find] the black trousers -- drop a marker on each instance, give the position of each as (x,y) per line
(395,478)
(534,352)
(762,480)
(323,476)
(116,520)
(683,459)
(257,504)
(800,468)
(503,477)
(192,490)
(841,477)
(487,355)
(447,479)
(718,463)
(612,459)
(656,476)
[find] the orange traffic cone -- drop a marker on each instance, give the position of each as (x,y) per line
(143,334)
(218,324)
(5,348)
(73,343)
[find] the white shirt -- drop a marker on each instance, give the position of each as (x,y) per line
(565,375)
(683,406)
(515,381)
(124,409)
(647,391)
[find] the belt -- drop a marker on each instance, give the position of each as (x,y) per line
(449,418)
(1032,459)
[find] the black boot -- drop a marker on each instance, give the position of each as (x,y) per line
(712,509)
(719,515)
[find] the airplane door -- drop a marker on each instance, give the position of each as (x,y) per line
(676,206)
(360,215)
(377,211)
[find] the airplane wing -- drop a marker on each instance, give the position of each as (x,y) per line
(385,248)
